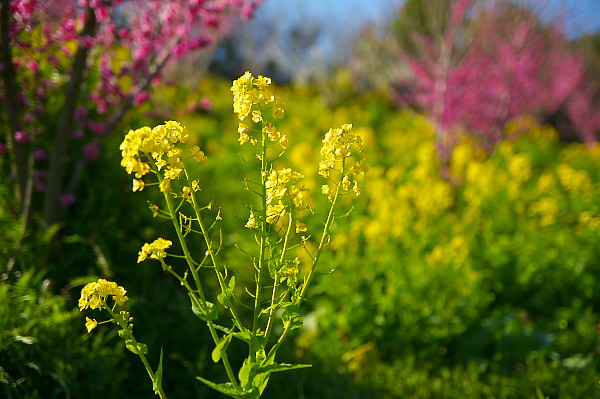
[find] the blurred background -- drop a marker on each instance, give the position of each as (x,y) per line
(469,267)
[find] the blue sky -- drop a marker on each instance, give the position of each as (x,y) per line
(335,22)
(582,16)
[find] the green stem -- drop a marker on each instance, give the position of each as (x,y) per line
(276,282)
(192,267)
(308,279)
(328,223)
(129,336)
(212,255)
(262,268)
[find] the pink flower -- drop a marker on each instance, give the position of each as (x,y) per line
(77,134)
(80,113)
(39,179)
(39,154)
(141,98)
(67,200)
(206,104)
(91,151)
(2,148)
(33,65)
(21,137)
(96,127)
(28,117)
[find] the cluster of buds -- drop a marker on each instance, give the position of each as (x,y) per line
(341,146)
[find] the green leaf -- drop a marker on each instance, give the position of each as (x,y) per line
(211,314)
(226,388)
(244,336)
(244,373)
(158,375)
(292,319)
(224,298)
(273,368)
(220,348)
(140,348)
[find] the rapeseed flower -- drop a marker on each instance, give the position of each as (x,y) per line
(155,250)
(90,324)
(159,144)
(95,294)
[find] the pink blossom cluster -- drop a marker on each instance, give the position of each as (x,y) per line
(512,66)
(46,35)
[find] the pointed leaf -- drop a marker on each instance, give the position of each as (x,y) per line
(221,347)
(139,349)
(211,314)
(158,375)
(273,368)
(244,373)
(226,388)
(243,335)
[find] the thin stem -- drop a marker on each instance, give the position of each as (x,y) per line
(192,267)
(212,255)
(328,223)
(263,234)
(308,279)
(129,336)
(276,282)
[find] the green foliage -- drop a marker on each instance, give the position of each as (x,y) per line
(43,352)
(482,283)
(455,285)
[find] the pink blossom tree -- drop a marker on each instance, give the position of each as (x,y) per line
(71,69)
(495,61)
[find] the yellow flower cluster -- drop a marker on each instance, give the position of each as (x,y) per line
(279,184)
(155,250)
(249,91)
(93,295)
(160,145)
(338,146)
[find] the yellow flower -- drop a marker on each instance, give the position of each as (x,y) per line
(120,299)
(274,212)
(244,138)
(94,295)
(155,250)
(345,183)
(242,128)
(185,192)
(251,223)
(283,141)
(271,132)
(138,185)
(165,185)
(256,116)
(278,109)
(300,227)
(356,188)
(142,256)
(196,185)
(199,155)
(161,163)
(90,324)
